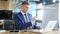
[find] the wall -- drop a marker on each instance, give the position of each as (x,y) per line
(5,5)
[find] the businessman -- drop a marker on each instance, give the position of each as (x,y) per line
(23,19)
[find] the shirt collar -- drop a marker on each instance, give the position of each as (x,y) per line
(23,12)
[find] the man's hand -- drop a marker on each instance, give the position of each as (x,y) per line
(29,27)
(38,27)
(34,19)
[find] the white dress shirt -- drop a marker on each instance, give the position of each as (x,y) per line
(25,17)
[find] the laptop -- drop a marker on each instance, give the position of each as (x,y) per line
(49,27)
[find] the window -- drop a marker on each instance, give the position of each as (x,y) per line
(39,11)
(32,9)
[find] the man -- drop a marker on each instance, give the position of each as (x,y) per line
(23,19)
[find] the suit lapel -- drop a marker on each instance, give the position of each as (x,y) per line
(21,17)
(29,17)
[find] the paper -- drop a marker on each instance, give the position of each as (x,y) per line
(1,31)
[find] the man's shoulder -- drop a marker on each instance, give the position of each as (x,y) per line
(29,14)
(17,13)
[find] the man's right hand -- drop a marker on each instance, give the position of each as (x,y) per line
(38,27)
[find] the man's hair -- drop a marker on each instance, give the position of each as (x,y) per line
(25,3)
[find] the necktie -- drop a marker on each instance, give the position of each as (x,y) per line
(26,18)
(27,21)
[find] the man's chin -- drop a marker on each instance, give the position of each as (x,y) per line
(25,11)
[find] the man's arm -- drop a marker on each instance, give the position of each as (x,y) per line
(19,23)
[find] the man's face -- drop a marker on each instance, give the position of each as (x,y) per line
(25,8)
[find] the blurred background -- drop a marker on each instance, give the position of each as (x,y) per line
(45,10)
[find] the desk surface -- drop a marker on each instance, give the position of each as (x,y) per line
(30,32)
(50,32)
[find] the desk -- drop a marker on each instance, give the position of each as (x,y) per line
(30,32)
(52,32)
(7,32)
